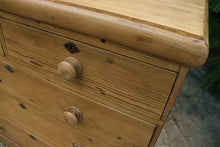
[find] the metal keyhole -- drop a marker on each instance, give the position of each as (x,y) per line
(71,47)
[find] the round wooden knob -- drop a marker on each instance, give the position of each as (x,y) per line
(72,116)
(69,69)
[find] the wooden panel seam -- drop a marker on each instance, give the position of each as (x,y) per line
(2,41)
(1,50)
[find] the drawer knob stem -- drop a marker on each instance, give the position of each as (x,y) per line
(72,116)
(69,69)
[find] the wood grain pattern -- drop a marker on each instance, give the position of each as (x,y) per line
(2,43)
(94,41)
(168,14)
(177,86)
(1,50)
(32,100)
(134,94)
(187,50)
(18,137)
(53,132)
(127,85)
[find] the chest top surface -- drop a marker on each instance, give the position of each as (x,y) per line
(176,30)
(182,16)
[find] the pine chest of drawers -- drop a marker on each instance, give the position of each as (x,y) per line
(95,73)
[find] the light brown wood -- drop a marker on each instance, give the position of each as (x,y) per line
(168,14)
(94,41)
(127,85)
(72,116)
(177,86)
(14,136)
(1,50)
(181,48)
(52,131)
(44,103)
(2,43)
(69,69)
(134,65)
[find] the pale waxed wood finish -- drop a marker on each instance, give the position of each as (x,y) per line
(140,38)
(40,124)
(177,86)
(182,48)
(43,114)
(168,14)
(95,41)
(130,86)
(16,137)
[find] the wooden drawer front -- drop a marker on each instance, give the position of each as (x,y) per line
(15,136)
(130,86)
(37,106)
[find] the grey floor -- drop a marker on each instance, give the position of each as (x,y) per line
(3,145)
(195,117)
